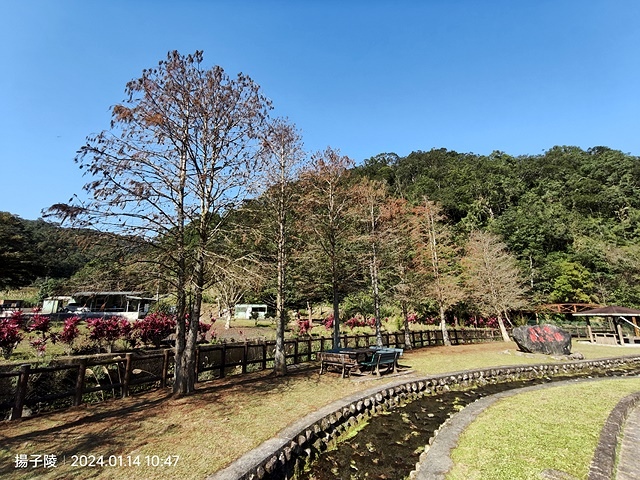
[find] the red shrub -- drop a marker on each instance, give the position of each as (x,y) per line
(10,335)
(413,317)
(155,327)
(70,330)
(328,322)
(354,322)
(303,326)
(39,323)
(106,330)
(39,345)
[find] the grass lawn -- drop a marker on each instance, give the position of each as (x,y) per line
(561,427)
(219,423)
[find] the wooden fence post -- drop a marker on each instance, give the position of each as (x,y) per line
(127,375)
(82,370)
(165,368)
(264,355)
(21,391)
(223,360)
(245,356)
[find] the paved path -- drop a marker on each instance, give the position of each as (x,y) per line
(629,463)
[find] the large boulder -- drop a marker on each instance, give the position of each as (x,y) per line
(547,339)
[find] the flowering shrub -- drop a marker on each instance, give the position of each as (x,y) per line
(69,331)
(127,332)
(354,322)
(10,334)
(203,328)
(328,322)
(155,327)
(40,323)
(303,327)
(413,317)
(18,317)
(39,345)
(106,330)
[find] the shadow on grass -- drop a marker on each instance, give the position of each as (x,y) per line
(120,427)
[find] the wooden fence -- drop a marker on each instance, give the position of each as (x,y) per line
(95,378)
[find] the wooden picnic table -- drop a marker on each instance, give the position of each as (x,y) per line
(346,359)
(355,359)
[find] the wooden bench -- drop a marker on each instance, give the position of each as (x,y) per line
(382,357)
(606,338)
(339,360)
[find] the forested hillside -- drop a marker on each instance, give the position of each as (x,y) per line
(57,260)
(569,217)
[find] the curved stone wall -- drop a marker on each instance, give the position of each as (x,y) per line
(292,449)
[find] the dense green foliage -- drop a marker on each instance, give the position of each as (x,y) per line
(570,216)
(54,258)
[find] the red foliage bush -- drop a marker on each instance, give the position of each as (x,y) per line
(106,330)
(10,334)
(328,322)
(70,330)
(303,326)
(39,323)
(155,327)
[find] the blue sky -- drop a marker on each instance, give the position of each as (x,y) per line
(365,77)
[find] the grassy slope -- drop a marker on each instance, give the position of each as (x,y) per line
(219,423)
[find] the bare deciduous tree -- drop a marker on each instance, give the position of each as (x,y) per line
(180,154)
(374,210)
(325,205)
(284,153)
(234,278)
(405,284)
(493,278)
(438,257)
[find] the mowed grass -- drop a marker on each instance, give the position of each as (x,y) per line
(219,423)
(555,428)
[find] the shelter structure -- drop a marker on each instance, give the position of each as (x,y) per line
(131,305)
(617,318)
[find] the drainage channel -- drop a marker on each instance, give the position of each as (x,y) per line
(389,445)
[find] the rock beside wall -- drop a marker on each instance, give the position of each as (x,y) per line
(547,339)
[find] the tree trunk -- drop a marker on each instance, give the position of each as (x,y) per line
(443,328)
(180,372)
(376,296)
(280,360)
(185,382)
(407,333)
(180,377)
(336,319)
(503,330)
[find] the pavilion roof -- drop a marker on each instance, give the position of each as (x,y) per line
(610,311)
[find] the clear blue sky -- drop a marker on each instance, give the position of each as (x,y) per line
(364,76)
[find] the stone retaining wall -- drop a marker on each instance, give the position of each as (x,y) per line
(603,464)
(281,457)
